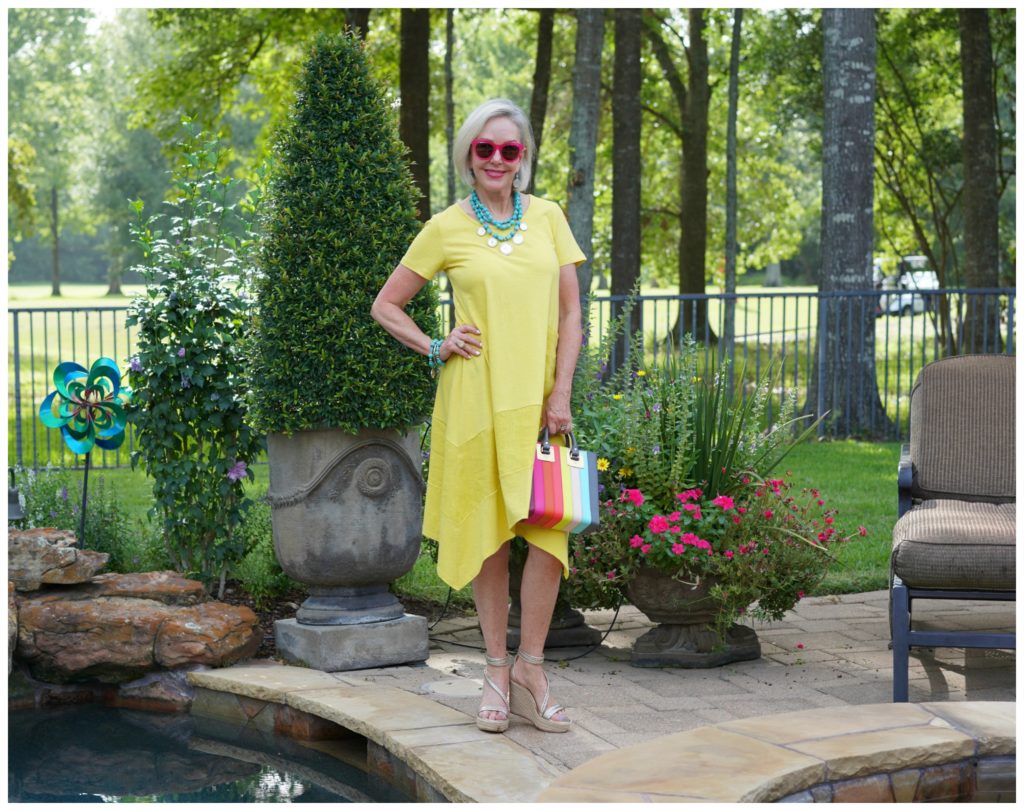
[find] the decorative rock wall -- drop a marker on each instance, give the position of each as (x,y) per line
(119,627)
(68,624)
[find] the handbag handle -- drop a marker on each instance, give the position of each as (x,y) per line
(545,443)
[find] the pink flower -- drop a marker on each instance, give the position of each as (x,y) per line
(645,548)
(658,524)
(611,575)
(728,554)
(821,502)
(686,495)
(725,502)
(799,645)
(678,548)
(635,496)
(741,510)
(675,516)
(768,513)
(635,541)
(862,531)
(736,519)
(689,538)
(764,551)
(799,595)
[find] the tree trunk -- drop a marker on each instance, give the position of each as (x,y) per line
(981,190)
(726,347)
(449,100)
(114,273)
(541,83)
(358,19)
(55,237)
(692,99)
(845,383)
(693,220)
(414,116)
(626,169)
(586,110)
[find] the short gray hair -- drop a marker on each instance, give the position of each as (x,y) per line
(476,121)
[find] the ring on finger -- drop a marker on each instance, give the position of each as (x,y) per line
(460,344)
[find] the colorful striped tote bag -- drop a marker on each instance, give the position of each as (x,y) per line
(564,492)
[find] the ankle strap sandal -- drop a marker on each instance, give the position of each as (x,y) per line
(495,724)
(523,703)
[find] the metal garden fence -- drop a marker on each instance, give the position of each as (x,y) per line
(906,328)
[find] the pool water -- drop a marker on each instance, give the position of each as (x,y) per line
(98,754)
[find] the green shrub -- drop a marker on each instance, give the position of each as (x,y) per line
(258,571)
(189,397)
(342,214)
(53,498)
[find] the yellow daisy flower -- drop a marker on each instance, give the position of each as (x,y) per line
(641,373)
(602,464)
(616,396)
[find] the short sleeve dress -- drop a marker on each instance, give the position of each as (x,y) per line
(488,409)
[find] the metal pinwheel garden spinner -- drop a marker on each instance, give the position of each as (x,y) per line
(88,406)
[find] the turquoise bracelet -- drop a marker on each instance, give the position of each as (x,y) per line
(434,356)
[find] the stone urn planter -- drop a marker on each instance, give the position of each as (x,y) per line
(685,612)
(346,511)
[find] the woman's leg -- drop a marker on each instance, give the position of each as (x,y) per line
(490,593)
(541,577)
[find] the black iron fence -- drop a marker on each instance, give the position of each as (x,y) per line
(901,330)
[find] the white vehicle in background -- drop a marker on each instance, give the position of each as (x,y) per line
(902,299)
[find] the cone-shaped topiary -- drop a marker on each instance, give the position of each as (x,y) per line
(342,213)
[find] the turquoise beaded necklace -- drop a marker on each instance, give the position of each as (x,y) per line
(493,229)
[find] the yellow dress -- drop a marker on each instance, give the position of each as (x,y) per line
(487,412)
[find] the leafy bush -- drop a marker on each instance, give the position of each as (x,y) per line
(189,399)
(342,214)
(258,571)
(53,497)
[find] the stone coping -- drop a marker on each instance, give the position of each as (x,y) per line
(772,757)
(440,744)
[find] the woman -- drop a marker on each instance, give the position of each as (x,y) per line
(507,371)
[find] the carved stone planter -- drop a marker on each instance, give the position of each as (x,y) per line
(346,511)
(686,613)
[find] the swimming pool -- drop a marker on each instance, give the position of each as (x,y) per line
(91,753)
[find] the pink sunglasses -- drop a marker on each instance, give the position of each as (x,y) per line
(510,151)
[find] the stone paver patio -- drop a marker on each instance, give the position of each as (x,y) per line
(829,652)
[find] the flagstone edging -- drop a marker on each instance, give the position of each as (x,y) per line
(867,753)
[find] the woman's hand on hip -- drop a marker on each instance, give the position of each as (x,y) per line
(465,340)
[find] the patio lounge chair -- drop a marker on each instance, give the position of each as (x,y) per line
(956,534)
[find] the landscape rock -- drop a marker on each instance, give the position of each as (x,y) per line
(48,555)
(102,631)
(12,626)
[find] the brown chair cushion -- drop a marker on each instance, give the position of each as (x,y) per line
(962,429)
(957,545)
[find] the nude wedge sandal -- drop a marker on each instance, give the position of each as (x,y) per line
(494,724)
(523,704)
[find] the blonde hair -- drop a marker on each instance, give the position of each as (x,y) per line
(476,121)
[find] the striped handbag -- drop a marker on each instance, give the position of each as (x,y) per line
(564,491)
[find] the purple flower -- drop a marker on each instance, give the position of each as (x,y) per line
(181,351)
(64,494)
(237,471)
(656,449)
(136,364)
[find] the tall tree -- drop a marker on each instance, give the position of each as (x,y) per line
(358,19)
(414,116)
(49,70)
(449,102)
(728,322)
(692,97)
(981,192)
(586,111)
(626,163)
(844,383)
(541,83)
